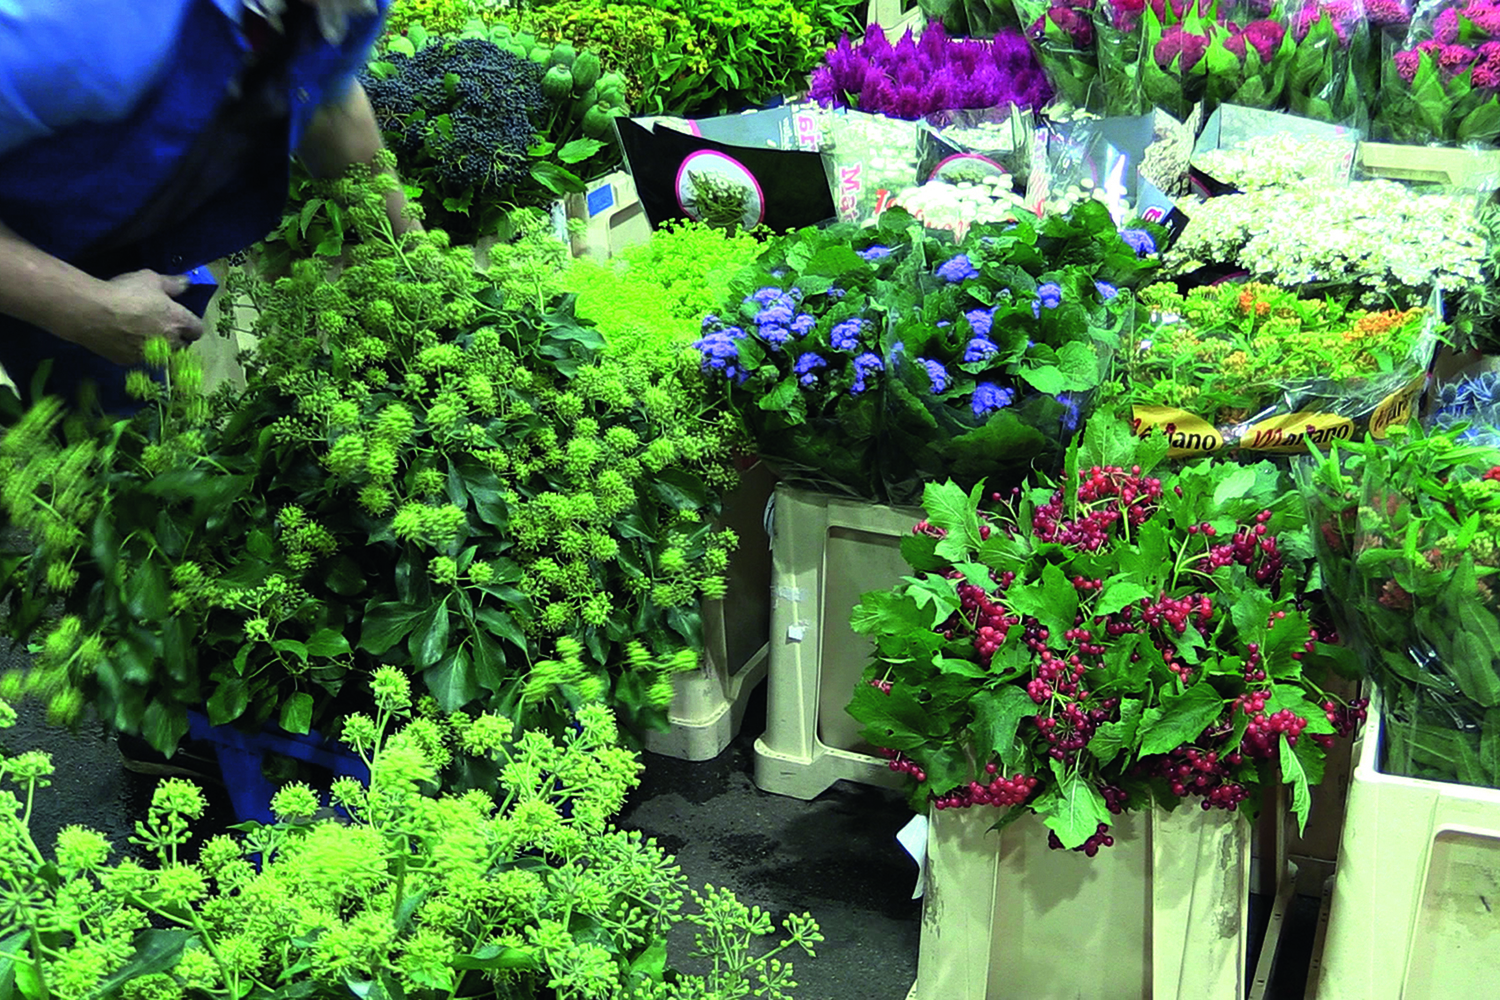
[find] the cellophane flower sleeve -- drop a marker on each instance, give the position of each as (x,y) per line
(1061,33)
(1331,46)
(1441,82)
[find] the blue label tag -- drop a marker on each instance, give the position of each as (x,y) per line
(601,199)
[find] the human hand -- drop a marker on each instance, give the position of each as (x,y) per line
(128,312)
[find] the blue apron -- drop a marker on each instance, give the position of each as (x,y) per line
(198,171)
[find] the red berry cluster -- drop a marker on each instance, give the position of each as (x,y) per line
(902,764)
(1000,791)
(1343,717)
(1190,771)
(984,615)
(1254,548)
(1493,475)
(881,684)
(1090,847)
(1122,495)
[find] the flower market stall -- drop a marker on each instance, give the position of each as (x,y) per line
(1078,417)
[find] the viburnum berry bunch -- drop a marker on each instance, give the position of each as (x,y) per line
(1085,647)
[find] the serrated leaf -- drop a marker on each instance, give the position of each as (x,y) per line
(1183,718)
(1112,737)
(296,713)
(1079,811)
(1293,774)
(1052,600)
(895,721)
(997,716)
(949,508)
(1118,594)
(882,611)
(1237,483)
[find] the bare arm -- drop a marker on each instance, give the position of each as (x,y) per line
(111,318)
(344,132)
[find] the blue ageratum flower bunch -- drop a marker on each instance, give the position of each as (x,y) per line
(1001,342)
(798,348)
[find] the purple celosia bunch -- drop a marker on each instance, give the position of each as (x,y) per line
(1073,18)
(1343,15)
(913,79)
(1388,13)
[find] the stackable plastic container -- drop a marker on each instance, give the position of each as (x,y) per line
(1416,898)
(826,552)
(710,702)
(1161,915)
(612,211)
(242,758)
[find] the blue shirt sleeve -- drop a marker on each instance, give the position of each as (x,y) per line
(81,61)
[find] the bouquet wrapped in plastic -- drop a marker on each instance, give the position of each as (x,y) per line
(1409,542)
(1265,370)
(1443,82)
(1332,43)
(1061,33)
(996,347)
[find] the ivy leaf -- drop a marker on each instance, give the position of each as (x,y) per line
(996,718)
(1293,774)
(950,508)
(1079,810)
(579,150)
(328,642)
(501,625)
(296,713)
(1183,718)
(452,681)
(429,637)
(895,721)
(385,625)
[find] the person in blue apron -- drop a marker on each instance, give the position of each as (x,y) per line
(140,141)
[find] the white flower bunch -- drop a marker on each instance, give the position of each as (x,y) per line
(1388,242)
(1278,160)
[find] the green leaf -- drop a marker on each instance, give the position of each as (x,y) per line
(155,951)
(579,150)
(164,726)
(1293,774)
(328,642)
(1052,600)
(429,636)
(920,552)
(401,44)
(497,957)
(385,625)
(1489,748)
(1184,717)
(452,681)
(146,593)
(894,720)
(1112,737)
(1046,379)
(1118,594)
(883,611)
(1079,810)
(652,962)
(951,509)
(997,715)
(296,713)
(1236,484)
(501,625)
(228,702)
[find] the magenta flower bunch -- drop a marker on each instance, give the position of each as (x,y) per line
(912,79)
(1445,86)
(1061,33)
(1174,54)
(1331,38)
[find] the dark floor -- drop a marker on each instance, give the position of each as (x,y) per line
(836,856)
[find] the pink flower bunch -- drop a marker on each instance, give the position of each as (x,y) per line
(1263,36)
(1482,14)
(1177,42)
(1454,60)
(1387,13)
(1072,17)
(1344,15)
(1126,15)
(913,79)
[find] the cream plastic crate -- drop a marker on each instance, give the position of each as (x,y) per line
(888,14)
(613,214)
(826,552)
(1163,914)
(1416,899)
(710,702)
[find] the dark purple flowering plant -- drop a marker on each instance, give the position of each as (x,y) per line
(912,79)
(995,346)
(1444,84)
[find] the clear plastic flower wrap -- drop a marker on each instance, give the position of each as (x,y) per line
(1265,370)
(1441,82)
(1331,48)
(1061,32)
(1246,148)
(868,159)
(972,169)
(1407,539)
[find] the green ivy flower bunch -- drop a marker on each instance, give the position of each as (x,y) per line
(523,891)
(423,471)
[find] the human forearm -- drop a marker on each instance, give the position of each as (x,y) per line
(39,289)
(344,133)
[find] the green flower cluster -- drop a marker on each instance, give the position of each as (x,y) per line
(426,469)
(524,891)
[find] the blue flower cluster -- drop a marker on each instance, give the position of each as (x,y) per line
(874,253)
(1471,401)
(1048,296)
(957,269)
(936,374)
(721,353)
(845,335)
(1139,240)
(865,365)
(1070,416)
(778,318)
(981,321)
(807,366)
(1106,290)
(989,397)
(979,348)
